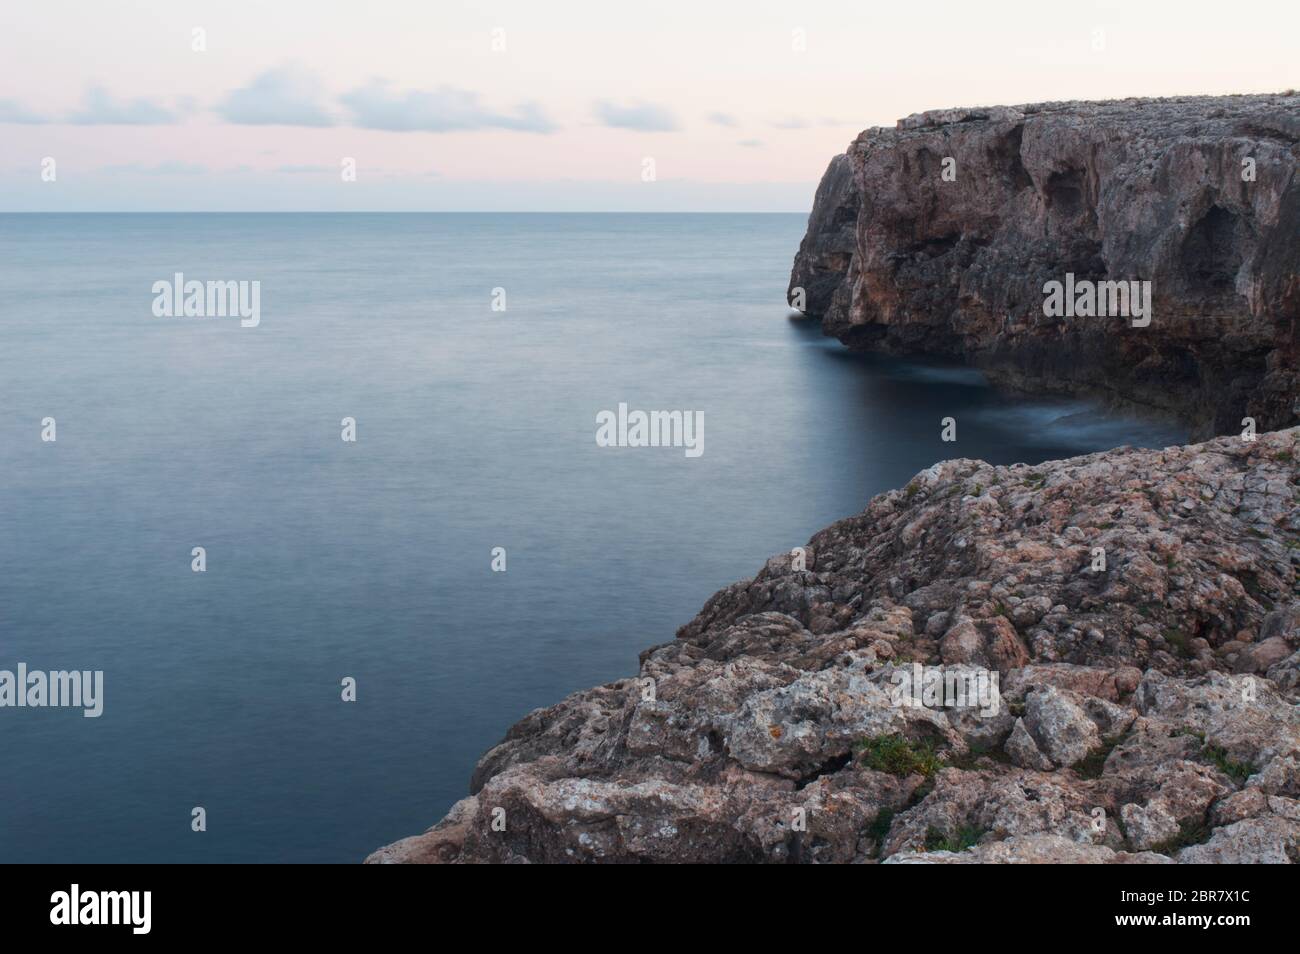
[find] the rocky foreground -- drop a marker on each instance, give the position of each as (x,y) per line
(1140,610)
(938,236)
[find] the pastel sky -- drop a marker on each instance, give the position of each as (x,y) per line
(735,111)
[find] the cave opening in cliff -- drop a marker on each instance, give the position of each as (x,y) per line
(1212,252)
(1064,192)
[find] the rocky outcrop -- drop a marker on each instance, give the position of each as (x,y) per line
(1139,611)
(822,263)
(962,216)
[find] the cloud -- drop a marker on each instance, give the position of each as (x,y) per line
(722,119)
(645,117)
(168,167)
(13,112)
(304,170)
(279,97)
(98,108)
(800,122)
(445,109)
(751,143)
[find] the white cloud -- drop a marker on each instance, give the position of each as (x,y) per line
(645,117)
(168,167)
(446,109)
(99,108)
(13,112)
(278,97)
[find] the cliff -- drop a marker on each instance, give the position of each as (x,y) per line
(960,217)
(1146,706)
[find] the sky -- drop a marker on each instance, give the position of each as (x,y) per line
(567,105)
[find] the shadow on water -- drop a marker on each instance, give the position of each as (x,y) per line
(895,395)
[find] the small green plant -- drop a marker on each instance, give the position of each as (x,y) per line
(1218,756)
(1092,764)
(1189,833)
(1179,643)
(967,836)
(880,827)
(899,756)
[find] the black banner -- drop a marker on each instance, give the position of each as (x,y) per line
(139,903)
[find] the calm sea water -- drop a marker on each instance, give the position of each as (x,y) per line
(372,560)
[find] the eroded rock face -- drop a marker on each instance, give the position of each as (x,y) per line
(1197,195)
(827,248)
(1128,729)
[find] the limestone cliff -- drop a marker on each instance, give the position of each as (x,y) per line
(963,215)
(822,264)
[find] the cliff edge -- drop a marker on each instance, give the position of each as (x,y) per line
(1132,616)
(960,217)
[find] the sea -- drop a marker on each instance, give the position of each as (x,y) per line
(307,641)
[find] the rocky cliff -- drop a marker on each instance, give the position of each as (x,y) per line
(938,236)
(1139,610)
